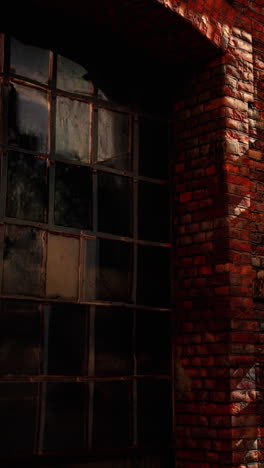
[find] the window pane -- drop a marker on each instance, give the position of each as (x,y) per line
(114,204)
(62,266)
(73,196)
(28,118)
(113,341)
(113,139)
(63,404)
(154,412)
(29,61)
(153,280)
(72,129)
(88,289)
(153,211)
(153,343)
(114,271)
(19,337)
(72,77)
(17,417)
(111,414)
(27,187)
(64,339)
(153,149)
(22,260)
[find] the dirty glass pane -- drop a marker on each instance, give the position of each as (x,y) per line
(29,61)
(153,280)
(153,342)
(28,118)
(113,341)
(72,77)
(62,266)
(72,129)
(64,339)
(154,412)
(153,149)
(19,337)
(111,414)
(73,196)
(63,404)
(153,212)
(17,417)
(88,287)
(114,270)
(22,260)
(114,204)
(27,196)
(113,139)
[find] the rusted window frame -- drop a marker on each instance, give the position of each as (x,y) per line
(81,234)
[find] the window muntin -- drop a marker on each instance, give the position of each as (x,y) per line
(61,250)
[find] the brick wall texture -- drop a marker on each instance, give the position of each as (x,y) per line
(218,203)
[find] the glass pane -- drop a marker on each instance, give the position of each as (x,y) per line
(154,412)
(28,118)
(73,196)
(19,337)
(153,279)
(64,339)
(63,404)
(22,260)
(153,212)
(72,77)
(88,289)
(29,61)
(153,343)
(114,204)
(153,149)
(62,267)
(113,139)
(113,341)
(111,414)
(114,270)
(27,196)
(17,416)
(72,129)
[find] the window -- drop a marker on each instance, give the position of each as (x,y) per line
(84,269)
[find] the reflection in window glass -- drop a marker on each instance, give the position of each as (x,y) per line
(153,149)
(154,426)
(29,61)
(153,342)
(111,414)
(114,204)
(153,212)
(28,118)
(64,337)
(18,417)
(64,416)
(114,270)
(19,337)
(27,187)
(113,139)
(72,129)
(73,196)
(22,261)
(153,281)
(72,77)
(62,266)
(113,341)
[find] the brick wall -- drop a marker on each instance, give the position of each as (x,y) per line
(219,255)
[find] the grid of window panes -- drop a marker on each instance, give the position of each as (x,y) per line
(84,231)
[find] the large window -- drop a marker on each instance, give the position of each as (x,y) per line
(84,264)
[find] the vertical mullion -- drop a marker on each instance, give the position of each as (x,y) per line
(135,267)
(3,182)
(52,137)
(91,373)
